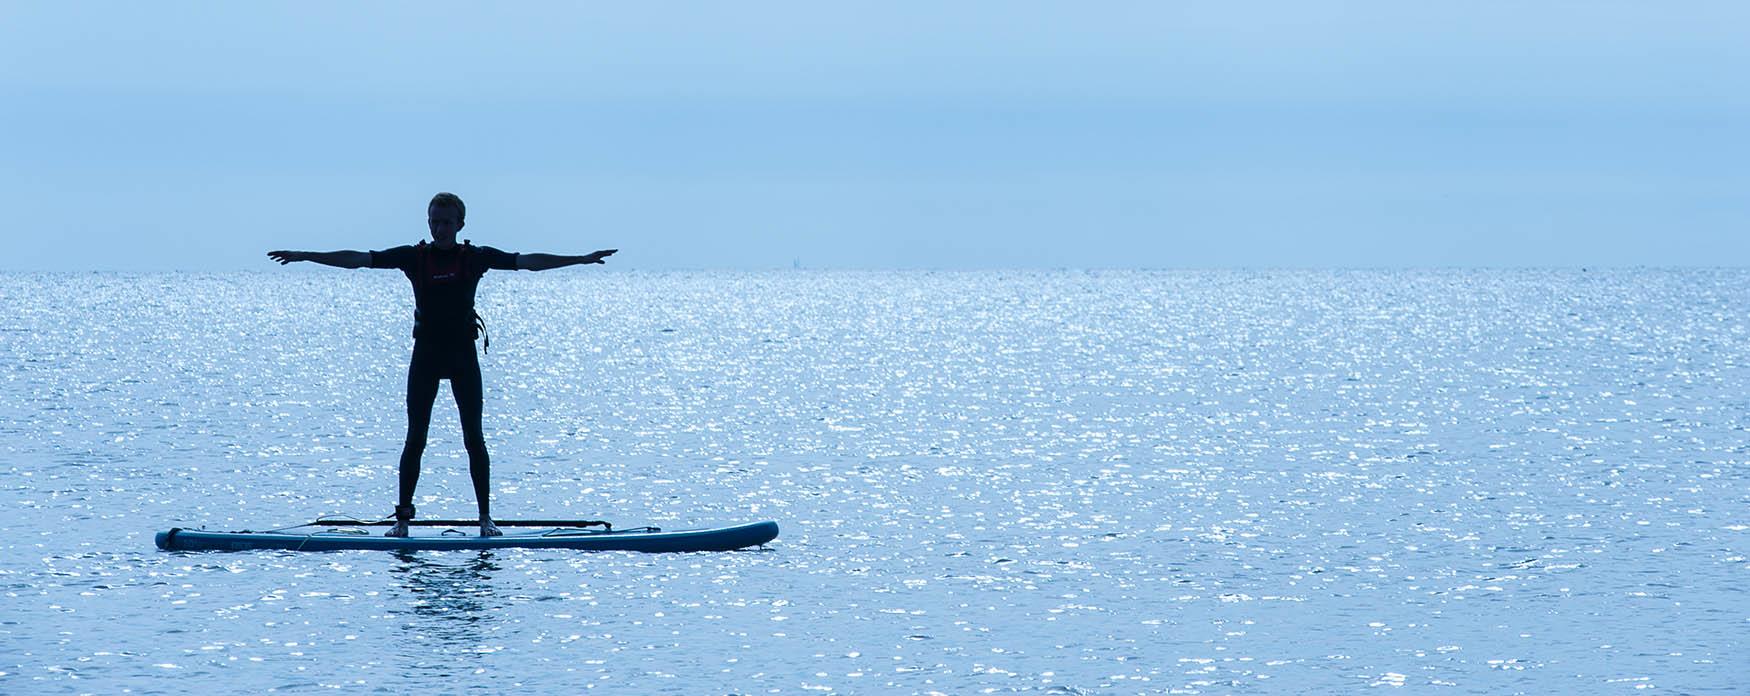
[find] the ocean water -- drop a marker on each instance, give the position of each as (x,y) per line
(1479,482)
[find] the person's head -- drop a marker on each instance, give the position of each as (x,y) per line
(445,215)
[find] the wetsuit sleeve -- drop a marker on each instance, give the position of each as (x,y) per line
(395,257)
(501,260)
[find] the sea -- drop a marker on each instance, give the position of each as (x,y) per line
(988,482)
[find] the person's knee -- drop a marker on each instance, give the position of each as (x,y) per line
(475,442)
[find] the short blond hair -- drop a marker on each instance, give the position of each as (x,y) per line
(450,201)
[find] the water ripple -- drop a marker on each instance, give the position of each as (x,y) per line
(1119,482)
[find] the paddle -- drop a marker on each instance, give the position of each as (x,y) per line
(464,523)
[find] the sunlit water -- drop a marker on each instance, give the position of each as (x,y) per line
(1180,482)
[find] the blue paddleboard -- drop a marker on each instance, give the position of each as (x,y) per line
(349,538)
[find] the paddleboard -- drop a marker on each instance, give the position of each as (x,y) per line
(465,539)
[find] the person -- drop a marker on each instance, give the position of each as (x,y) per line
(444,276)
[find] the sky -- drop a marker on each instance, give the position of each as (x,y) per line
(911,135)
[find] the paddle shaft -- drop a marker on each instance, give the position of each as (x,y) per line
(464,523)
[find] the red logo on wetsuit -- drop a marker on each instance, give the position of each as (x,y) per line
(435,274)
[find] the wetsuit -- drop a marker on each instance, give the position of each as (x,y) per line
(444,328)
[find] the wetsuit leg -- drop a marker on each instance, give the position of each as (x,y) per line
(422,387)
(465,383)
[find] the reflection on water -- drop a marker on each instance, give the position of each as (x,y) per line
(446,605)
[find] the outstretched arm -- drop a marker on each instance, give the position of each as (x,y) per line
(542,262)
(341,259)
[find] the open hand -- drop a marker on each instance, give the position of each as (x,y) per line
(598,256)
(285,257)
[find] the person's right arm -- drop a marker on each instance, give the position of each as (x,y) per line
(340,259)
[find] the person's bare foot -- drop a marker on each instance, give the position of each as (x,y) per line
(403,515)
(487,528)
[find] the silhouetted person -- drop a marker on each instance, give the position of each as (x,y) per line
(444,275)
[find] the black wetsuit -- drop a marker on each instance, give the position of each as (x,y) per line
(443,348)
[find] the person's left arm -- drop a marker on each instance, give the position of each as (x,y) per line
(542,262)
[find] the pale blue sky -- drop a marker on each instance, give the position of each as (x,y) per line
(883,135)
